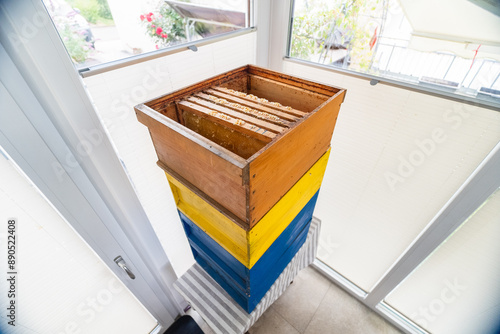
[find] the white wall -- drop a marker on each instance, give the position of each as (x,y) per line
(115,93)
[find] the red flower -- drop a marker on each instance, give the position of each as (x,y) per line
(159,30)
(164,35)
(149,18)
(152,26)
(142,17)
(157,47)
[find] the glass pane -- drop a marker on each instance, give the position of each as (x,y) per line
(100,31)
(397,158)
(375,37)
(61,285)
(456,289)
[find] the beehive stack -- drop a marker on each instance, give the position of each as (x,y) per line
(244,153)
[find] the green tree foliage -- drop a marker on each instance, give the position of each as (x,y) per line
(78,48)
(94,11)
(89,9)
(309,29)
(318,20)
(104,10)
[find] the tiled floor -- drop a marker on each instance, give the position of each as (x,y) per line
(315,305)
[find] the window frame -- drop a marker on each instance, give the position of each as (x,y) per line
(193,46)
(492,103)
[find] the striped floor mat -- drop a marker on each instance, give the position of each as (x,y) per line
(219,310)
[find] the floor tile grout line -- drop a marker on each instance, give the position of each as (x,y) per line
(282,317)
(317,308)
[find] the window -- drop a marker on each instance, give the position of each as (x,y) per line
(455,290)
(100,31)
(382,38)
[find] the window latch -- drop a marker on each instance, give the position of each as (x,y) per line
(122,264)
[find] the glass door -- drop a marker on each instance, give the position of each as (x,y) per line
(456,290)
(47,126)
(406,172)
(55,283)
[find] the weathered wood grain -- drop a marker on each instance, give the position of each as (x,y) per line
(290,115)
(217,225)
(205,137)
(215,171)
(236,142)
(264,124)
(228,121)
(276,169)
(288,95)
(294,81)
(275,220)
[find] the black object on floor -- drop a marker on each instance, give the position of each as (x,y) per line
(184,325)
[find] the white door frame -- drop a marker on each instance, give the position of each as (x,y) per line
(50,128)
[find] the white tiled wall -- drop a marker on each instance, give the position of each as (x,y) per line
(116,92)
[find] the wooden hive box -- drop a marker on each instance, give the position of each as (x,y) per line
(242,139)
(248,246)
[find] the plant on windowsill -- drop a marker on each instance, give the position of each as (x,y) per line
(165,27)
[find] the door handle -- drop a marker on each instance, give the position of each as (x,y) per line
(122,264)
